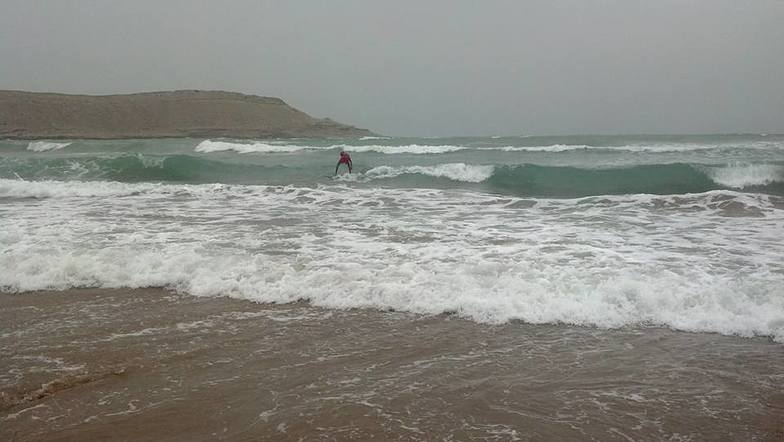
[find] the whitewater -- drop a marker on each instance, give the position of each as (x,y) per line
(680,232)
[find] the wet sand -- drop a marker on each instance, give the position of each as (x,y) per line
(149,364)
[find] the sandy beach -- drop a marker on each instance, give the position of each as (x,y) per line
(149,364)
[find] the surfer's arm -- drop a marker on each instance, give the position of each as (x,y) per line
(337,166)
(350,166)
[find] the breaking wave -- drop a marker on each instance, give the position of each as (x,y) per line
(43,146)
(488,258)
(742,176)
(208,146)
(453,171)
(521,180)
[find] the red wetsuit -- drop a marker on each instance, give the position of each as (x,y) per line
(345,158)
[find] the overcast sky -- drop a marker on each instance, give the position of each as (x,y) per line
(425,68)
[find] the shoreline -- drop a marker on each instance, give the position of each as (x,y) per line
(149,363)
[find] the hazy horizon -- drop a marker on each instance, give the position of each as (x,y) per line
(436,69)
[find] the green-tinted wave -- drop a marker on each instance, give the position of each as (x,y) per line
(139,168)
(520,180)
(551,181)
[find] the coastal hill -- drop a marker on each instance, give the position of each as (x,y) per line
(186,113)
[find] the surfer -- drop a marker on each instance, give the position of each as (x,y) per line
(345,158)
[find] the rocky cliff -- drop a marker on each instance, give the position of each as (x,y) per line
(188,113)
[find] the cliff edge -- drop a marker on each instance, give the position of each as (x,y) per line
(186,113)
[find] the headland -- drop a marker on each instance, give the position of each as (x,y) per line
(183,113)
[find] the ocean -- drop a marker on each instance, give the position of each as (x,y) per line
(676,231)
(498,288)
(681,232)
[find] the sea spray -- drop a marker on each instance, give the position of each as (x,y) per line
(741,176)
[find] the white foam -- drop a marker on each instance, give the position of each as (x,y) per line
(642,147)
(208,146)
(454,171)
(608,262)
(740,176)
(259,147)
(43,146)
(408,148)
(550,148)
(82,189)
(54,189)
(425,149)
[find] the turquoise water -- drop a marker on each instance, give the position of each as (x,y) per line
(560,167)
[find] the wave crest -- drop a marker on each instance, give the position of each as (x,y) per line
(468,173)
(741,176)
(208,146)
(44,146)
(428,149)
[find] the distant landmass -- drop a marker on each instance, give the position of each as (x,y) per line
(185,113)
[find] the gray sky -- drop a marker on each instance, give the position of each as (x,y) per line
(425,68)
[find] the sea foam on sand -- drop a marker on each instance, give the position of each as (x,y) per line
(679,261)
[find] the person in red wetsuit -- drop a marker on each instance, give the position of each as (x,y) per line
(345,158)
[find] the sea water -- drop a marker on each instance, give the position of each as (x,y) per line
(677,231)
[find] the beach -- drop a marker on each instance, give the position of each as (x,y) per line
(150,364)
